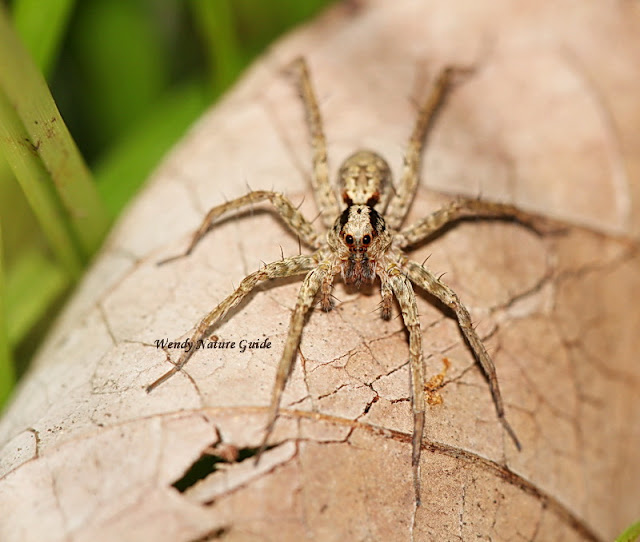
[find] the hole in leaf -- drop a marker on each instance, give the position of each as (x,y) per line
(208,463)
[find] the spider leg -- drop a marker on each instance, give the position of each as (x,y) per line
(406,298)
(325,196)
(387,294)
(425,279)
(288,267)
(457,209)
(308,291)
(289,213)
(326,301)
(387,301)
(401,200)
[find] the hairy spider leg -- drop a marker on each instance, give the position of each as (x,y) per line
(410,179)
(426,280)
(462,208)
(325,196)
(292,217)
(296,265)
(306,295)
(407,300)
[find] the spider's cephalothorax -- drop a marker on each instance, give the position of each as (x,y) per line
(359,236)
(360,245)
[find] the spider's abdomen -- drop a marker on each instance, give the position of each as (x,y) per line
(365,179)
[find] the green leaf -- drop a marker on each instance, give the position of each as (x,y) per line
(36,184)
(33,284)
(218,31)
(7,373)
(122,64)
(631,534)
(42,25)
(25,92)
(262,22)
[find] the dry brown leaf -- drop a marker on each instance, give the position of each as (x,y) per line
(549,122)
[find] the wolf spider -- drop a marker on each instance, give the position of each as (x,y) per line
(363,240)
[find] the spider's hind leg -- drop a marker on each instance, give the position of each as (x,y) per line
(407,300)
(429,282)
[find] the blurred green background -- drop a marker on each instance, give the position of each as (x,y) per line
(92,95)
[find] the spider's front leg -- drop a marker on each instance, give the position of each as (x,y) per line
(407,300)
(288,267)
(429,282)
(325,196)
(296,221)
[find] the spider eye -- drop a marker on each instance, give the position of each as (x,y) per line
(366,239)
(349,239)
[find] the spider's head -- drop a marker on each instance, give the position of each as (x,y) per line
(365,179)
(359,237)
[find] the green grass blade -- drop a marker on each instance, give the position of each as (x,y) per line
(123,64)
(26,91)
(217,29)
(42,25)
(22,228)
(7,374)
(33,284)
(37,187)
(262,22)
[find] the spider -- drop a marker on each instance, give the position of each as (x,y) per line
(363,241)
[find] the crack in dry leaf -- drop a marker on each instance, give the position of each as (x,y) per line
(538,524)
(632,251)
(534,290)
(368,406)
(503,472)
(463,504)
(499,470)
(217,533)
(305,377)
(105,320)
(58,503)
(335,391)
(542,399)
(605,370)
